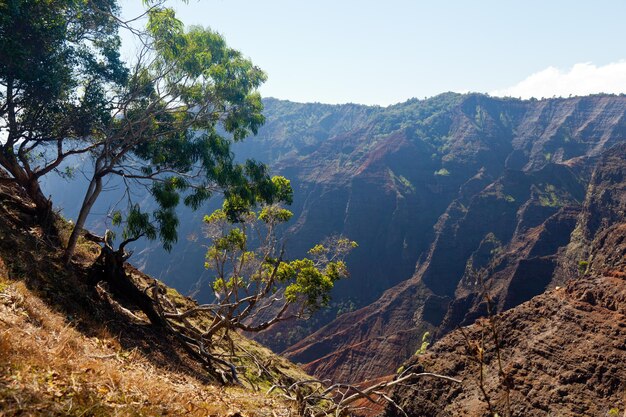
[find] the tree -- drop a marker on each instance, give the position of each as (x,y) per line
(54,56)
(165,121)
(257,288)
(171,125)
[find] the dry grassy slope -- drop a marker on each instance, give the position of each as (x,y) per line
(64,351)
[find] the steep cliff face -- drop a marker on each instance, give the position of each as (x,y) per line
(386,184)
(515,180)
(563,352)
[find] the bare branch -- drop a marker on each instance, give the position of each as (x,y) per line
(339,398)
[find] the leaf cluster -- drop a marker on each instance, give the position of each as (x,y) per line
(250,272)
(184,107)
(57,57)
(165,121)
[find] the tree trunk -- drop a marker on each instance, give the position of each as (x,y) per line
(110,268)
(92,194)
(22,175)
(43,207)
(30,185)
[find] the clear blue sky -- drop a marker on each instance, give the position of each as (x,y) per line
(383,52)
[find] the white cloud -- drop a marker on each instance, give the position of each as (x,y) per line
(582,79)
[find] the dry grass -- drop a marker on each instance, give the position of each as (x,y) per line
(86,251)
(47,367)
(65,352)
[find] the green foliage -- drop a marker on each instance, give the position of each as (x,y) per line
(256,275)
(548,196)
(166,119)
(308,284)
(68,172)
(583,266)
(282,189)
(344,307)
(276,214)
(402,181)
(218,95)
(139,223)
(424,345)
(613,412)
(430,113)
(406,183)
(56,60)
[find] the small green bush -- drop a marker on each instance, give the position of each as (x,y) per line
(425,343)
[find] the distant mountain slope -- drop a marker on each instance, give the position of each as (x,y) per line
(564,351)
(502,192)
(386,183)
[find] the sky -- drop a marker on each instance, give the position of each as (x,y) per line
(385,52)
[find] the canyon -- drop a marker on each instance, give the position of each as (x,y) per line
(434,191)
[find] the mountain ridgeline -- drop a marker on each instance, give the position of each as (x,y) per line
(432,190)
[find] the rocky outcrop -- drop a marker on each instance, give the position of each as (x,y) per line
(563,352)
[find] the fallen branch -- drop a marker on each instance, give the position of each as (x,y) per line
(338,398)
